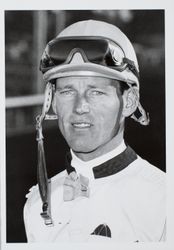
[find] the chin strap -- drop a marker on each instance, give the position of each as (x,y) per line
(43,182)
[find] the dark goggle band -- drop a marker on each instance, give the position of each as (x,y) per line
(96,50)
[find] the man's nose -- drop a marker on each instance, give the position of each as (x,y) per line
(81,105)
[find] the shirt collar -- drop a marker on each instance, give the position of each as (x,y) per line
(86,167)
(102,166)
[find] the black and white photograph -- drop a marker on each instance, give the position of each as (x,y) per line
(85,127)
(103,177)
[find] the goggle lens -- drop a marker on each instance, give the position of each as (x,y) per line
(95,50)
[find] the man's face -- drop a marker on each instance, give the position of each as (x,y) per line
(89,110)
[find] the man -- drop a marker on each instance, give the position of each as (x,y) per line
(107,192)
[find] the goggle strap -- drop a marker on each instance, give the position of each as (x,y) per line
(131,66)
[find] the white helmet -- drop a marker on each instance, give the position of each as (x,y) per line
(100,39)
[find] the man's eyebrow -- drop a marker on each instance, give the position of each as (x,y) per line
(95,87)
(68,86)
(92,86)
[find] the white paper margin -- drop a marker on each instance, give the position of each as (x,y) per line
(169,49)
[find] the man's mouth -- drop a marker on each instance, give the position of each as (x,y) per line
(81,125)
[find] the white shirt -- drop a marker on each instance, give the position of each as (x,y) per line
(131,203)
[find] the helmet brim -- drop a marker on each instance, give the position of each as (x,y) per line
(90,69)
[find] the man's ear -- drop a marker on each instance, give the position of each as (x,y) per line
(130,101)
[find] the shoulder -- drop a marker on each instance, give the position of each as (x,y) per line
(142,184)
(146,186)
(149,174)
(145,179)
(143,197)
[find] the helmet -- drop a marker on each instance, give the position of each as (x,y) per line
(86,48)
(88,36)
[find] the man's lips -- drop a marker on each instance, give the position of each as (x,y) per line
(82,124)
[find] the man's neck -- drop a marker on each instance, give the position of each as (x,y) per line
(104,149)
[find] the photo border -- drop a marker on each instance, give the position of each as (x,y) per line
(169,55)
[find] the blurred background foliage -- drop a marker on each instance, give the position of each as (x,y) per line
(26,35)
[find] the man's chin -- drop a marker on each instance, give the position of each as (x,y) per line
(82,148)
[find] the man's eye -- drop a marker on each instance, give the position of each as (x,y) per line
(67,92)
(97,92)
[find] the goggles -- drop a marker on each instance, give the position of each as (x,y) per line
(97,50)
